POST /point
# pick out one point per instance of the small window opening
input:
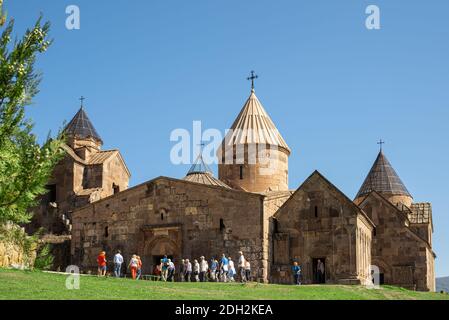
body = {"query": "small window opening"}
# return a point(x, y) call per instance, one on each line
point(316, 212)
point(241, 172)
point(116, 188)
point(162, 216)
point(275, 226)
point(222, 225)
point(106, 232)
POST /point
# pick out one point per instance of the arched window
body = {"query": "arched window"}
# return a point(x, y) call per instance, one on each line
point(222, 225)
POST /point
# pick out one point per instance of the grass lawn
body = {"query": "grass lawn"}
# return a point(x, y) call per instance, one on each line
point(34, 285)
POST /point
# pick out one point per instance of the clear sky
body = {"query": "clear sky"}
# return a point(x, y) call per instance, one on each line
point(333, 87)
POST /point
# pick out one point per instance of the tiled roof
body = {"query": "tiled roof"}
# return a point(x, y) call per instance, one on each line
point(81, 127)
point(205, 178)
point(421, 213)
point(254, 126)
point(101, 156)
point(383, 179)
point(201, 173)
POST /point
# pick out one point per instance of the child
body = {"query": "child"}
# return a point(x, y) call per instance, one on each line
point(101, 260)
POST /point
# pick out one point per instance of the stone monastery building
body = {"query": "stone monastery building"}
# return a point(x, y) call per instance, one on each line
point(246, 208)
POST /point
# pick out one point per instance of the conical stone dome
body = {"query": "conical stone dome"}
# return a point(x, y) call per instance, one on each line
point(80, 127)
point(383, 178)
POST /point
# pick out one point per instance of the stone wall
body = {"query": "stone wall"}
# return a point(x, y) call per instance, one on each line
point(319, 222)
point(174, 217)
point(404, 258)
point(254, 173)
point(10, 254)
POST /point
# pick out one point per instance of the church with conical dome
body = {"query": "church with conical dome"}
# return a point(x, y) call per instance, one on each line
point(382, 235)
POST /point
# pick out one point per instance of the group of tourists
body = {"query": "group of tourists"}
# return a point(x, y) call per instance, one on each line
point(134, 266)
point(223, 270)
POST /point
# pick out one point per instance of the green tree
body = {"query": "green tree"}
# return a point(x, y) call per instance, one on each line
point(25, 165)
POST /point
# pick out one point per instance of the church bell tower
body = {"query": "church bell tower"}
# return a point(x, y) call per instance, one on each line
point(253, 156)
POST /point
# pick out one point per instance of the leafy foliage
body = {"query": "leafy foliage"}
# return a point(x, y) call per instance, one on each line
point(44, 259)
point(25, 165)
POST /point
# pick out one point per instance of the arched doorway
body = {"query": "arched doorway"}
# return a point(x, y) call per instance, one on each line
point(156, 249)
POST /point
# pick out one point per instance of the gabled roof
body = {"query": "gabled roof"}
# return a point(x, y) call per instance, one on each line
point(254, 126)
point(81, 127)
point(383, 179)
point(316, 173)
point(96, 158)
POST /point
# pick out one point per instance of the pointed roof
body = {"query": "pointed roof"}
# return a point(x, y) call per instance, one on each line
point(201, 173)
point(81, 127)
point(254, 126)
point(383, 179)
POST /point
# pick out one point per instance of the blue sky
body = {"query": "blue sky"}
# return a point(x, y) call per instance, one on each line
point(332, 87)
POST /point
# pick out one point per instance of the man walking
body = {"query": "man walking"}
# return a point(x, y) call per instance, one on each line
point(182, 269)
point(213, 269)
point(188, 270)
point(118, 261)
point(224, 268)
point(241, 267)
point(296, 270)
point(164, 265)
point(171, 271)
point(320, 271)
point(203, 269)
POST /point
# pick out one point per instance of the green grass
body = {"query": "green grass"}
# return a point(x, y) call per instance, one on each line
point(34, 285)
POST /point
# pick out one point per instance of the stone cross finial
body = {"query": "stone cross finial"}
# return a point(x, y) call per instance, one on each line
point(253, 77)
point(380, 143)
point(82, 101)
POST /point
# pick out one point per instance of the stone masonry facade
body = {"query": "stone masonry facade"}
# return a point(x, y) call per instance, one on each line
point(246, 208)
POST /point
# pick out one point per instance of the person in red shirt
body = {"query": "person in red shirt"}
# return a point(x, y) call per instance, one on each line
point(101, 260)
point(133, 264)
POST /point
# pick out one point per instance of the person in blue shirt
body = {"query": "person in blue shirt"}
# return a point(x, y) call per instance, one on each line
point(224, 268)
point(164, 267)
point(296, 270)
point(213, 269)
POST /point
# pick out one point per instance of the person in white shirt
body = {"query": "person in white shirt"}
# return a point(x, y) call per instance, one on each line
point(247, 271)
point(231, 272)
point(188, 270)
point(204, 266)
point(196, 270)
point(118, 261)
point(241, 267)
